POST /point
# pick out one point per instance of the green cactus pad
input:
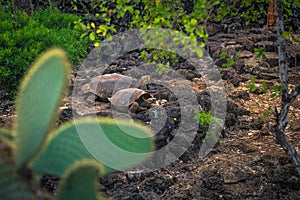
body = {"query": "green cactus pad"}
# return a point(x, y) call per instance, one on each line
point(11, 186)
point(79, 181)
point(62, 149)
point(37, 105)
point(111, 143)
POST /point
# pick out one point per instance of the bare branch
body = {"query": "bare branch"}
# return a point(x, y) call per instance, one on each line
point(282, 117)
point(295, 93)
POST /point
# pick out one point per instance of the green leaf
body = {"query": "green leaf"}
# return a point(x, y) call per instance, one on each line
point(225, 65)
point(11, 186)
point(79, 181)
point(103, 29)
point(277, 88)
point(37, 104)
point(199, 52)
point(92, 36)
point(266, 114)
point(251, 87)
point(84, 34)
point(297, 3)
point(273, 95)
point(264, 87)
point(285, 34)
point(253, 79)
point(223, 54)
point(113, 29)
point(116, 144)
point(264, 84)
point(295, 39)
point(193, 22)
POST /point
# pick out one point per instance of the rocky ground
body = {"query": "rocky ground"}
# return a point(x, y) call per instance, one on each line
point(247, 164)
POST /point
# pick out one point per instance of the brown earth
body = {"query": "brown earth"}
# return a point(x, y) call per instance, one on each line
point(247, 164)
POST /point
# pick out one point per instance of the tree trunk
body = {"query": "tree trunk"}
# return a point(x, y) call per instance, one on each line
point(23, 5)
point(287, 98)
point(271, 16)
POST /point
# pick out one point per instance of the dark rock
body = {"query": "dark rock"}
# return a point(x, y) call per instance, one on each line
point(239, 66)
point(212, 29)
point(267, 45)
point(272, 59)
point(204, 100)
point(235, 109)
point(234, 26)
point(246, 122)
point(240, 94)
point(231, 76)
point(230, 121)
point(246, 42)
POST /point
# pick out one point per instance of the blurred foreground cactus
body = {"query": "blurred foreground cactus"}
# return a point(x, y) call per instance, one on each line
point(33, 148)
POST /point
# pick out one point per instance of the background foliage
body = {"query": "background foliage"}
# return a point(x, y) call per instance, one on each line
point(24, 38)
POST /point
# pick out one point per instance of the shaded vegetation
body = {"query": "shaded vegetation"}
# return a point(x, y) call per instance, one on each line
point(23, 39)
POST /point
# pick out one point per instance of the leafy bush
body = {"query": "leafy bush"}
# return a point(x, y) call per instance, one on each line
point(23, 38)
point(250, 10)
point(125, 14)
point(110, 16)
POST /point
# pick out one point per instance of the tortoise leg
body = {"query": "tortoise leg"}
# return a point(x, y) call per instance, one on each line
point(135, 107)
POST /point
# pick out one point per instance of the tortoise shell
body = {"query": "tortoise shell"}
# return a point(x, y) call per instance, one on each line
point(124, 98)
point(104, 85)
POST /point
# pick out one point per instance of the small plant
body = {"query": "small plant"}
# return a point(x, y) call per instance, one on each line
point(291, 36)
point(253, 88)
point(276, 90)
point(163, 69)
point(34, 145)
point(266, 114)
point(204, 118)
point(229, 59)
point(261, 53)
point(264, 87)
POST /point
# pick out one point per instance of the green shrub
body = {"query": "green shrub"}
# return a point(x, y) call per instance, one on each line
point(110, 16)
point(205, 120)
point(250, 10)
point(203, 117)
point(23, 38)
point(126, 14)
point(51, 17)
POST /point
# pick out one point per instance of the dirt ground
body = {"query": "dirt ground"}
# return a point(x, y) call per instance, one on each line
point(246, 164)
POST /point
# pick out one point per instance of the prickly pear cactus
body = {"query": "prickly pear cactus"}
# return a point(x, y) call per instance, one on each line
point(33, 144)
point(72, 186)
